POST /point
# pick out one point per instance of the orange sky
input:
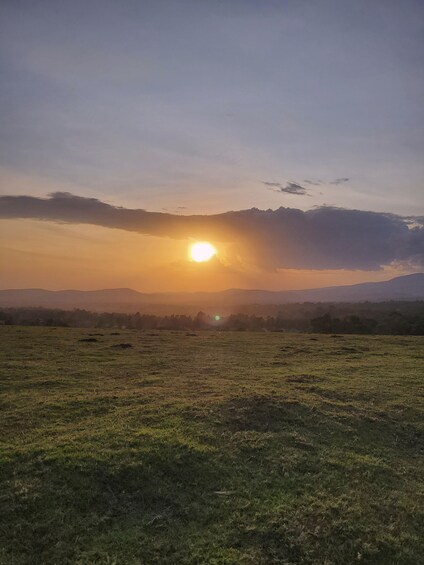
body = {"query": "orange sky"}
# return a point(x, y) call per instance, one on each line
point(58, 256)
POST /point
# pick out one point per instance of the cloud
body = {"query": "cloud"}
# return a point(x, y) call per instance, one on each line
point(319, 182)
point(294, 187)
point(339, 181)
point(313, 182)
point(320, 238)
point(289, 187)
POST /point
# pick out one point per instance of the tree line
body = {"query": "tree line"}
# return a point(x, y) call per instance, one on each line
point(401, 319)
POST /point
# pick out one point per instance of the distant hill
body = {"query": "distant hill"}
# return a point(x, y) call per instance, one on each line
point(409, 287)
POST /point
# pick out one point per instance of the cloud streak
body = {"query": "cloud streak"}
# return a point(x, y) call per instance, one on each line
point(339, 181)
point(319, 182)
point(290, 187)
point(295, 187)
point(320, 238)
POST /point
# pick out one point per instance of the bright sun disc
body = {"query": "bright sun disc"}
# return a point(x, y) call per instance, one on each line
point(202, 251)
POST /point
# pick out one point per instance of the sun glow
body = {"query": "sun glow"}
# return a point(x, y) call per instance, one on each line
point(202, 251)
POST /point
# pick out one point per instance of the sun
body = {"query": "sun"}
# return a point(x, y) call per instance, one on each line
point(202, 251)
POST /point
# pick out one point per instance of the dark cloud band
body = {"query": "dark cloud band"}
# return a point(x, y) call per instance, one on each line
point(321, 238)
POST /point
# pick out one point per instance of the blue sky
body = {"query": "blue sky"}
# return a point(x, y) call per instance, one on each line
point(192, 106)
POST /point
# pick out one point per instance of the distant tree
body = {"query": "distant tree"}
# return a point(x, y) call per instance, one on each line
point(201, 320)
point(322, 324)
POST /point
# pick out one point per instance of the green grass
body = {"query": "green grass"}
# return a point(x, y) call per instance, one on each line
point(215, 448)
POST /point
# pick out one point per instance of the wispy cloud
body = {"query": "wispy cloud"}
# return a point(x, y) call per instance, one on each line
point(319, 182)
point(289, 187)
point(339, 181)
point(313, 182)
point(295, 187)
point(320, 238)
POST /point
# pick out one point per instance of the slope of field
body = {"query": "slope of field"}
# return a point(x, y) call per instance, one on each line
point(210, 448)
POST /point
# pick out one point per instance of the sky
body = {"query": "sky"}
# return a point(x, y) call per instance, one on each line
point(289, 134)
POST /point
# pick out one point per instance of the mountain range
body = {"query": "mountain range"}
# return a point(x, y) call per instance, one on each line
point(408, 287)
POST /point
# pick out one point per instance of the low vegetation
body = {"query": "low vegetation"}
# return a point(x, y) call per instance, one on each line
point(385, 318)
point(203, 447)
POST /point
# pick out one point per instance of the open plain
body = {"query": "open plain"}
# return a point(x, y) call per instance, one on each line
point(157, 447)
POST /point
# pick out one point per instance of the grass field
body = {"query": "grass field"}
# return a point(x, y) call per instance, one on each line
point(214, 448)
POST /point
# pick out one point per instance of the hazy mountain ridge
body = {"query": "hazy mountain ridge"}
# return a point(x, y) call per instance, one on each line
point(408, 287)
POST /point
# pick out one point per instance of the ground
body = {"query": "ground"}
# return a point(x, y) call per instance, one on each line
point(128, 447)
